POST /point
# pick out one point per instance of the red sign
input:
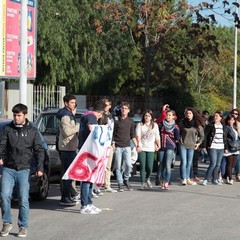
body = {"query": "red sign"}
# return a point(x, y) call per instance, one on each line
point(10, 13)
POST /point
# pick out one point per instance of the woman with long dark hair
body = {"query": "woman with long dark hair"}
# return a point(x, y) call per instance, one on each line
point(148, 139)
point(214, 141)
point(231, 134)
point(191, 136)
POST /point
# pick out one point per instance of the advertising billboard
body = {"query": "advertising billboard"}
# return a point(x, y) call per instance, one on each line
point(10, 31)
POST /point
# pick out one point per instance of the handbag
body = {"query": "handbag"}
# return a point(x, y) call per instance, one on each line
point(234, 145)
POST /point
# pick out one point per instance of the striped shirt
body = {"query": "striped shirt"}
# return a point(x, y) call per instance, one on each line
point(217, 142)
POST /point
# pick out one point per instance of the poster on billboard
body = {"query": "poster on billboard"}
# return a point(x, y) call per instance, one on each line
point(10, 30)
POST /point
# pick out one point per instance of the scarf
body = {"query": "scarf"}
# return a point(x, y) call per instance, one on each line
point(169, 126)
point(188, 123)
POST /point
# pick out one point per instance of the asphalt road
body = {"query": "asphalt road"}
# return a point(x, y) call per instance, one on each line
point(183, 212)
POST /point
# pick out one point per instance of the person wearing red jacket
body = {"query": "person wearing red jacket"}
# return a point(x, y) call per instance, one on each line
point(163, 115)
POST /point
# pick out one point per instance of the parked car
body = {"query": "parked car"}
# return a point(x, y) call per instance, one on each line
point(48, 125)
point(39, 186)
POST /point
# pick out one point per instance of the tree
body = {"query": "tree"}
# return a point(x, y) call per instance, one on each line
point(67, 46)
point(146, 21)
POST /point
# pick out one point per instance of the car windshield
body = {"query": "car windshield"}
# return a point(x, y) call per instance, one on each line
point(48, 124)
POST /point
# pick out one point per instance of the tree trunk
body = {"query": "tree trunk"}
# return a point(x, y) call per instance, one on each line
point(147, 75)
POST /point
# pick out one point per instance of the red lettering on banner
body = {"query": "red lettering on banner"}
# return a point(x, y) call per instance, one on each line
point(82, 171)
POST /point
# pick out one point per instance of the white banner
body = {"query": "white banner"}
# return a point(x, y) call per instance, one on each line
point(90, 163)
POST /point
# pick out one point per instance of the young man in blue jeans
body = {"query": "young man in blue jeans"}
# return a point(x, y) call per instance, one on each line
point(124, 131)
point(19, 140)
point(87, 120)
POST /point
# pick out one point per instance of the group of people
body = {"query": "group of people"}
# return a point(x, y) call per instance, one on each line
point(216, 138)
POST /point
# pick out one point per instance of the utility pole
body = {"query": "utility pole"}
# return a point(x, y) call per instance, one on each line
point(23, 54)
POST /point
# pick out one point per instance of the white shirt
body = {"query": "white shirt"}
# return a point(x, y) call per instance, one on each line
point(147, 136)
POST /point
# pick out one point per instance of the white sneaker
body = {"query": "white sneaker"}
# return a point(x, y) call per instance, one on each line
point(216, 182)
point(110, 190)
point(220, 179)
point(149, 184)
point(94, 208)
point(77, 198)
point(230, 182)
point(184, 182)
point(88, 210)
point(94, 195)
point(190, 182)
point(204, 182)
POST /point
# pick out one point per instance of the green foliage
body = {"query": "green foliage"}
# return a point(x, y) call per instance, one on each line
point(186, 63)
point(211, 102)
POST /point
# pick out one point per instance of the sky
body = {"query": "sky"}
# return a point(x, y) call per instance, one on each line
point(218, 11)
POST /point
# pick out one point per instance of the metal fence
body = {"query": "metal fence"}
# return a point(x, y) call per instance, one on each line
point(46, 97)
point(51, 97)
point(135, 102)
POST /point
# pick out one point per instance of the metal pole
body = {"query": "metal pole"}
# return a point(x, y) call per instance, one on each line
point(23, 54)
point(2, 98)
point(235, 64)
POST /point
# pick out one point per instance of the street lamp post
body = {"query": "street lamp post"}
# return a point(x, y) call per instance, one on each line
point(235, 64)
point(23, 54)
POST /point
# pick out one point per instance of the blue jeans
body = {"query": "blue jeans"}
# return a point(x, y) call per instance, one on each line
point(215, 157)
point(67, 158)
point(123, 160)
point(166, 158)
point(237, 167)
point(159, 167)
point(223, 166)
point(204, 155)
point(20, 178)
point(86, 193)
point(186, 157)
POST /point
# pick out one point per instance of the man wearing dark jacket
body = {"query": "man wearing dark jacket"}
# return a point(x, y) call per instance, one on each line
point(68, 144)
point(19, 142)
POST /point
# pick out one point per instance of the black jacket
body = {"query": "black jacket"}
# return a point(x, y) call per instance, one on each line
point(19, 144)
point(209, 132)
point(230, 135)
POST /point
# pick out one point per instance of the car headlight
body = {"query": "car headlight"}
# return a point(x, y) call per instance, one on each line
point(52, 147)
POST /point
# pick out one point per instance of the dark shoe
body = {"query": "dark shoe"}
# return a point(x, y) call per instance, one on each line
point(67, 202)
point(22, 232)
point(120, 187)
point(127, 184)
point(237, 178)
point(158, 181)
point(6, 229)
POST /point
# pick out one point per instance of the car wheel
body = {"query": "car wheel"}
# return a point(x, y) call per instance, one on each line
point(43, 187)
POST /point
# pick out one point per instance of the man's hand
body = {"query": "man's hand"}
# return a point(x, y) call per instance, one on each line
point(91, 127)
point(39, 173)
point(74, 111)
